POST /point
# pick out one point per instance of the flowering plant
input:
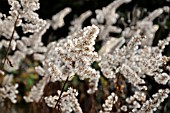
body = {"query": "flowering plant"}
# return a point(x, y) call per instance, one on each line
point(125, 73)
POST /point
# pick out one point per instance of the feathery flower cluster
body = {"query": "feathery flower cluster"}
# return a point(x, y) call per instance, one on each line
point(130, 57)
point(68, 102)
point(37, 91)
point(22, 14)
point(58, 19)
point(8, 90)
point(109, 102)
point(76, 24)
point(73, 55)
point(70, 56)
point(151, 105)
point(25, 9)
point(144, 27)
point(134, 63)
point(108, 16)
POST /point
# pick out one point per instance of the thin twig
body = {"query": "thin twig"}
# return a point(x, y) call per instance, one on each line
point(57, 105)
point(9, 46)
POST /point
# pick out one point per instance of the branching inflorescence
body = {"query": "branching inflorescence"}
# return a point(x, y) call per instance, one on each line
point(130, 59)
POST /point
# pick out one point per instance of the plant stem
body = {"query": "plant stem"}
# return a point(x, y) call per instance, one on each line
point(9, 46)
point(57, 104)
